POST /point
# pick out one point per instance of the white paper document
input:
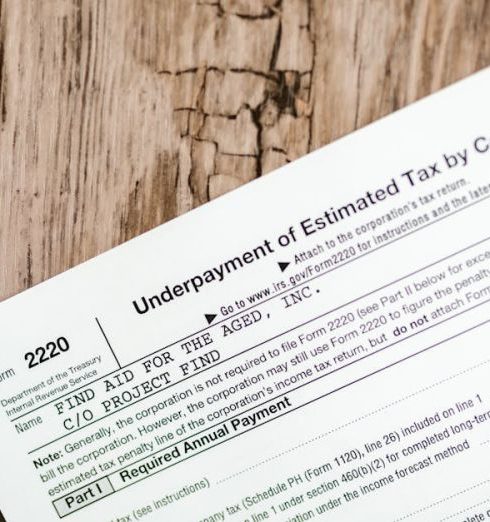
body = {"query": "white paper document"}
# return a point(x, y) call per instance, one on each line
point(312, 346)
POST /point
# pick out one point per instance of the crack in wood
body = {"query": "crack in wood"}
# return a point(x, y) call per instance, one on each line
point(285, 92)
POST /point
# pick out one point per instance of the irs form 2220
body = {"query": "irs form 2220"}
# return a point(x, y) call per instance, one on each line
point(312, 346)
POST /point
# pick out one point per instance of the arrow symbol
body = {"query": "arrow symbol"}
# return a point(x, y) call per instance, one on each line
point(283, 265)
point(210, 317)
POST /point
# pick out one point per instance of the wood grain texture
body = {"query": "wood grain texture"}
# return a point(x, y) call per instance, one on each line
point(118, 115)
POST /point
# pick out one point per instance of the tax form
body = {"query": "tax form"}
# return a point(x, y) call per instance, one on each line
point(312, 346)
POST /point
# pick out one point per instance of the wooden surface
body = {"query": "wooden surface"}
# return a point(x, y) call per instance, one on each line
point(118, 115)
